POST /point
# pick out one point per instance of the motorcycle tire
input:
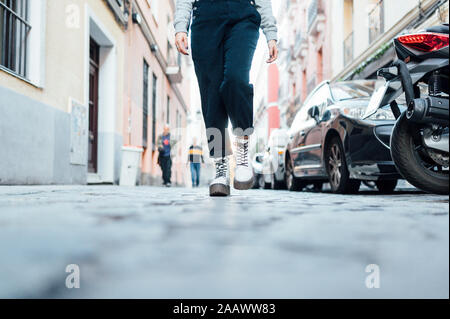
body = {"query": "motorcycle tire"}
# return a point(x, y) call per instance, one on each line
point(410, 165)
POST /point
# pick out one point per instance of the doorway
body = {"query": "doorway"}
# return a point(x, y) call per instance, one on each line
point(94, 59)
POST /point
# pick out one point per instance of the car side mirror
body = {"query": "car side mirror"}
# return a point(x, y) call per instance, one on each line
point(314, 113)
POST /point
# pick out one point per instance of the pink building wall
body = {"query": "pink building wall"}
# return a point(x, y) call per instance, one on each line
point(137, 50)
point(272, 98)
point(316, 66)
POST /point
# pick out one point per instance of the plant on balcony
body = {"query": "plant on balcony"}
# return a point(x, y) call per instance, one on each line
point(376, 56)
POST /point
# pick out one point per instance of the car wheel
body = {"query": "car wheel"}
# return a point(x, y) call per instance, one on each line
point(293, 183)
point(337, 169)
point(261, 181)
point(386, 187)
point(256, 181)
point(277, 184)
point(318, 186)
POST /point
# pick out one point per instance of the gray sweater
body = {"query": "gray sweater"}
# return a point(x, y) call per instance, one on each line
point(264, 7)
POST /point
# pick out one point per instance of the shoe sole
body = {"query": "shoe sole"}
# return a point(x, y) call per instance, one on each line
point(243, 186)
point(219, 190)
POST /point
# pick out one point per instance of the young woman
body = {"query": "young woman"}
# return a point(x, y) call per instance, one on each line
point(224, 35)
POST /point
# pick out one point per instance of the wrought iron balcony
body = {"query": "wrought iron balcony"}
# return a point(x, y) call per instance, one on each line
point(348, 49)
point(376, 21)
point(300, 44)
point(315, 17)
point(298, 101)
point(120, 8)
point(173, 70)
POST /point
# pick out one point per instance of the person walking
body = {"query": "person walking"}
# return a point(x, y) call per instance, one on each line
point(224, 35)
point(165, 144)
point(195, 158)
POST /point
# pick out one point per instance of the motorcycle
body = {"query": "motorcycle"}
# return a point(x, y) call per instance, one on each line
point(419, 142)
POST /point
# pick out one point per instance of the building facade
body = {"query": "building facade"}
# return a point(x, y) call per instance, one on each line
point(336, 40)
point(157, 87)
point(61, 62)
point(304, 29)
point(72, 76)
point(364, 29)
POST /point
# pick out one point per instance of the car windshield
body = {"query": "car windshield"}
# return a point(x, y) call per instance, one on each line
point(352, 90)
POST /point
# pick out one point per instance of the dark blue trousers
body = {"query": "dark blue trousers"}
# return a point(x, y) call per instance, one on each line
point(224, 38)
point(195, 174)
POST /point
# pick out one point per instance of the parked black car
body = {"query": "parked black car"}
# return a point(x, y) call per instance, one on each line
point(329, 141)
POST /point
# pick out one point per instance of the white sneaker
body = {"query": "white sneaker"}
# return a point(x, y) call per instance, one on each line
point(220, 186)
point(243, 175)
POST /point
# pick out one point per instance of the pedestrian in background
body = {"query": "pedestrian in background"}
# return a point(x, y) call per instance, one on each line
point(195, 158)
point(224, 38)
point(165, 144)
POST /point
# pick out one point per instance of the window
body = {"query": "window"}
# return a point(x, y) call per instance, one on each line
point(376, 20)
point(179, 60)
point(120, 8)
point(179, 124)
point(304, 85)
point(318, 98)
point(348, 31)
point(320, 66)
point(348, 90)
point(145, 105)
point(154, 7)
point(154, 96)
point(14, 32)
point(168, 111)
point(348, 49)
point(299, 119)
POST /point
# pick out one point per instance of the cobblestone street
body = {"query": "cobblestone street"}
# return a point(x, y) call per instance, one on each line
point(178, 243)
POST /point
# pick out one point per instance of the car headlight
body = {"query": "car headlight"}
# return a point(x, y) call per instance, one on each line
point(383, 114)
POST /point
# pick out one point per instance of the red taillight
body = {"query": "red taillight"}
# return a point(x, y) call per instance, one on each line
point(427, 42)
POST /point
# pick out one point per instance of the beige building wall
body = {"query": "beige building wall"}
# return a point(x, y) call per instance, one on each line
point(58, 74)
point(66, 52)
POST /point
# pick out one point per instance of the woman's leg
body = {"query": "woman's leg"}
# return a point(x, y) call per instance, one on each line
point(209, 27)
point(237, 93)
point(208, 32)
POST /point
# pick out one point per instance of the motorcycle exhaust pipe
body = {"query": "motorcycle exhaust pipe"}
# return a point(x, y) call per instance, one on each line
point(430, 110)
point(405, 79)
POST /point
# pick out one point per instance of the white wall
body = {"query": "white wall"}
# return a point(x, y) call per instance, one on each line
point(36, 42)
point(394, 10)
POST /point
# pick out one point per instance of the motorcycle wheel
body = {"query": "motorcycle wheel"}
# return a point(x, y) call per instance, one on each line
point(412, 163)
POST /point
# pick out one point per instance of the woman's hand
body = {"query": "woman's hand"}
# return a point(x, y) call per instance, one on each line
point(273, 51)
point(181, 41)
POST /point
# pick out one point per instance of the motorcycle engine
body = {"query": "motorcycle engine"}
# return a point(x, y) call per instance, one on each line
point(436, 142)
